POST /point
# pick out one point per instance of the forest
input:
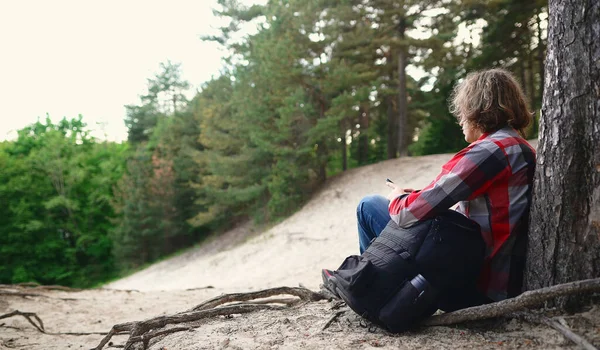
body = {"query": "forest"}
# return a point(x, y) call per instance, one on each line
point(318, 88)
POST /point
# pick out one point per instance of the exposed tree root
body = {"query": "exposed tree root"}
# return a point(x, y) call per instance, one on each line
point(523, 301)
point(144, 331)
point(303, 293)
point(238, 303)
point(30, 316)
point(36, 321)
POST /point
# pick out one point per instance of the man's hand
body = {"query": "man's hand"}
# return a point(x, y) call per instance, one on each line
point(396, 191)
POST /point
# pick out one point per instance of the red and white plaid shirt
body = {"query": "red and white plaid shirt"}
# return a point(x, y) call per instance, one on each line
point(491, 179)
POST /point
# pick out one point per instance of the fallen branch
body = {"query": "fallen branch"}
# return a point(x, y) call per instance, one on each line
point(523, 301)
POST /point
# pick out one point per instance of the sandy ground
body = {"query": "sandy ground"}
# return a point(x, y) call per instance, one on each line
point(291, 253)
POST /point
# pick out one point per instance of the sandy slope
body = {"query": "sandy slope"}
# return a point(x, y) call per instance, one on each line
point(319, 235)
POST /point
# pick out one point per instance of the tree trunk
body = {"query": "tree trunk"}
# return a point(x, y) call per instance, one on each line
point(392, 139)
point(540, 51)
point(522, 71)
point(363, 140)
point(531, 80)
point(533, 129)
point(402, 96)
point(322, 151)
point(344, 148)
point(564, 238)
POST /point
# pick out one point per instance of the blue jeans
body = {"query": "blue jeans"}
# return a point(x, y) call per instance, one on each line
point(372, 215)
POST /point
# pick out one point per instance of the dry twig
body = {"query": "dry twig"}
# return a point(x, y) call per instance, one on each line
point(333, 319)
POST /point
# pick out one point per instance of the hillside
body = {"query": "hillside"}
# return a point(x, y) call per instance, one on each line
point(292, 252)
point(319, 235)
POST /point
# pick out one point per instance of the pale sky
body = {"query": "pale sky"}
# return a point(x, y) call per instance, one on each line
point(71, 57)
point(68, 57)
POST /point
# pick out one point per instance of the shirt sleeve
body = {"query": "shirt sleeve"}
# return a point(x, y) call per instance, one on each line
point(466, 176)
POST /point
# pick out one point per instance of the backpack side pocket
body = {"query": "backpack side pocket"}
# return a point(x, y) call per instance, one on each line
point(407, 308)
point(355, 275)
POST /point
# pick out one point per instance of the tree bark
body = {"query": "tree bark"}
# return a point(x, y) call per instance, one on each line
point(540, 50)
point(522, 71)
point(531, 81)
point(363, 139)
point(402, 95)
point(392, 139)
point(533, 129)
point(344, 148)
point(564, 242)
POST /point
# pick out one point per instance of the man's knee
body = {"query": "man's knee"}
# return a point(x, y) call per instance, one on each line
point(368, 204)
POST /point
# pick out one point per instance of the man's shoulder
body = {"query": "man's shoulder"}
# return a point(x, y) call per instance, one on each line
point(507, 138)
point(482, 148)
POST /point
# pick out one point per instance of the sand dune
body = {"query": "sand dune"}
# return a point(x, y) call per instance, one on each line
point(293, 252)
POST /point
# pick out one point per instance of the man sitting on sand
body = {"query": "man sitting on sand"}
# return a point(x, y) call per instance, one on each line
point(491, 180)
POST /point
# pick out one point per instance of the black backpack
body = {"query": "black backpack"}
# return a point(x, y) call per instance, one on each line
point(406, 274)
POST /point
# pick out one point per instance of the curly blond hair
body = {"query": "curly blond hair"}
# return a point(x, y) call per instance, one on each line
point(490, 100)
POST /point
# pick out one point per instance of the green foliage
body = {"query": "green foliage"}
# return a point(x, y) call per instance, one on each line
point(145, 202)
point(56, 187)
point(155, 198)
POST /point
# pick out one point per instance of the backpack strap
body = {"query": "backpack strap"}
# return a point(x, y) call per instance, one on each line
point(380, 251)
point(396, 243)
